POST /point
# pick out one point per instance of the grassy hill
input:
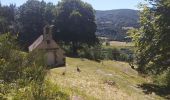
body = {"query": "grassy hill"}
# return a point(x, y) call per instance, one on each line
point(111, 23)
point(108, 80)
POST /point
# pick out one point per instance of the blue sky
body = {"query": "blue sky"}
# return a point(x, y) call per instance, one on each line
point(97, 4)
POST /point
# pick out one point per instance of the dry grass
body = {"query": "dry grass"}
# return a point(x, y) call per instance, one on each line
point(122, 44)
point(108, 81)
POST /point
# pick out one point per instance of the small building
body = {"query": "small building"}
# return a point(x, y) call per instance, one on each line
point(54, 55)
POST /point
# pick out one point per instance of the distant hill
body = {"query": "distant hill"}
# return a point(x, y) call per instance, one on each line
point(114, 23)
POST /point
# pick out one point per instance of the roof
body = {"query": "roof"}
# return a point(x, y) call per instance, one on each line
point(36, 43)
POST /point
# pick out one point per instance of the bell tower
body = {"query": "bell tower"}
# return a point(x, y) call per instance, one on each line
point(48, 32)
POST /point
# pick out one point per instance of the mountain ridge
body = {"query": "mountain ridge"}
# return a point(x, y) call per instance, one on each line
point(111, 23)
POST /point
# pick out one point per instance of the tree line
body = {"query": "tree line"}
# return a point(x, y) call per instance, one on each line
point(74, 22)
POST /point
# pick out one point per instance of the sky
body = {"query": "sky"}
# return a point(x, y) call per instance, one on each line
point(97, 4)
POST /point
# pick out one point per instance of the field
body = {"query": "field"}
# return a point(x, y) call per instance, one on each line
point(108, 80)
point(122, 44)
point(119, 45)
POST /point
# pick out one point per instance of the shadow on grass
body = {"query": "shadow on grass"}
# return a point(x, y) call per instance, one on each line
point(162, 91)
point(62, 96)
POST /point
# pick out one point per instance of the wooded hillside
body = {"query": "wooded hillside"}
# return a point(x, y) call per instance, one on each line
point(114, 23)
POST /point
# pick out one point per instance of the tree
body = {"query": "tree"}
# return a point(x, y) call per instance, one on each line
point(75, 23)
point(33, 16)
point(153, 38)
point(7, 18)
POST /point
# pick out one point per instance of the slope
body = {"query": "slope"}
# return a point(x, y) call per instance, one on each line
point(108, 80)
point(114, 23)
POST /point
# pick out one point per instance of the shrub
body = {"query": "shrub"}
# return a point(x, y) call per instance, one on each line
point(116, 54)
point(34, 66)
point(107, 43)
point(33, 91)
point(41, 91)
point(15, 64)
point(93, 53)
point(163, 79)
point(113, 54)
point(10, 58)
point(168, 79)
point(98, 53)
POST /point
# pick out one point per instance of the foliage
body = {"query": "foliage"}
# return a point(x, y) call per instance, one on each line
point(168, 78)
point(22, 75)
point(32, 17)
point(113, 24)
point(16, 65)
point(7, 18)
point(93, 53)
point(29, 19)
point(99, 53)
point(162, 79)
point(70, 15)
point(152, 39)
point(10, 58)
point(44, 91)
point(32, 91)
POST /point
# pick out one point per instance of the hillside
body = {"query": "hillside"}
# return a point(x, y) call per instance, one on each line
point(109, 80)
point(113, 23)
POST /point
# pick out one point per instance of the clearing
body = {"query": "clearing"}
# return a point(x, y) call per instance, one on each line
point(122, 44)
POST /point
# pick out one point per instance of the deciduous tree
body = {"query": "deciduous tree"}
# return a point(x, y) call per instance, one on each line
point(153, 37)
point(75, 23)
point(33, 16)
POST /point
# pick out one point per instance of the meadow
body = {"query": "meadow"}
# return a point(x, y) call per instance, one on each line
point(108, 80)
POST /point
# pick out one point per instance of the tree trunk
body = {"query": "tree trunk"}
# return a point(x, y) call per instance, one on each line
point(74, 48)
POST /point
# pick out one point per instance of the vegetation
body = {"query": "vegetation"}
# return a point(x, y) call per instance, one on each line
point(101, 76)
point(22, 75)
point(7, 18)
point(109, 80)
point(70, 15)
point(153, 41)
point(113, 24)
point(31, 18)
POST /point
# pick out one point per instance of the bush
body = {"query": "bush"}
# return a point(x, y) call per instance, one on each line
point(18, 66)
point(93, 53)
point(15, 64)
point(107, 43)
point(116, 54)
point(10, 58)
point(33, 91)
point(112, 54)
point(98, 53)
point(166, 78)
point(163, 79)
point(34, 66)
point(41, 91)
point(22, 74)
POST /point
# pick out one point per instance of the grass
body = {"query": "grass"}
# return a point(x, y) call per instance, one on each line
point(122, 44)
point(119, 45)
point(109, 80)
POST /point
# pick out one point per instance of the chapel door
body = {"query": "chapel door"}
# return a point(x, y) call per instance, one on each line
point(50, 58)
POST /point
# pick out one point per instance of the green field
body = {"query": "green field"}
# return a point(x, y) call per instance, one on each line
point(108, 80)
